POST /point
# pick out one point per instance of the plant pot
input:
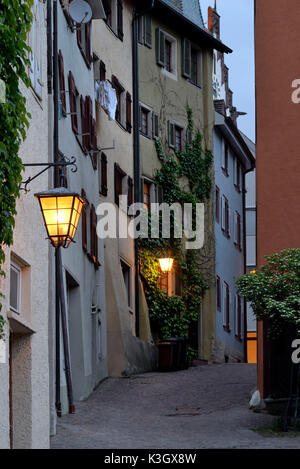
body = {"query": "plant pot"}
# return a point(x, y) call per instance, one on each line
point(166, 354)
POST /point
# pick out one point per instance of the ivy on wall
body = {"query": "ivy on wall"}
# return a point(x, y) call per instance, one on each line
point(15, 22)
point(171, 316)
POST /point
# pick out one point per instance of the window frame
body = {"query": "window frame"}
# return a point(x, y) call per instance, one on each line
point(18, 270)
point(126, 268)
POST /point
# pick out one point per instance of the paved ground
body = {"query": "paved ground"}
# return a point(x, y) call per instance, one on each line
point(202, 407)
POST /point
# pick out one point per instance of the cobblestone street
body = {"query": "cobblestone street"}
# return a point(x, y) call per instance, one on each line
point(202, 407)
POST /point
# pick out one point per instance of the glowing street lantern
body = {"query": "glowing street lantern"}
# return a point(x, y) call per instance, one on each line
point(166, 264)
point(61, 211)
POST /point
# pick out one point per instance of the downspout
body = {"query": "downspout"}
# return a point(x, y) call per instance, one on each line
point(136, 147)
point(55, 153)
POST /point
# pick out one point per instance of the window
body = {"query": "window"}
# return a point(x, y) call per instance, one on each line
point(122, 107)
point(237, 230)
point(238, 316)
point(35, 44)
point(225, 217)
point(177, 138)
point(217, 205)
point(166, 52)
point(145, 30)
point(218, 291)
point(196, 67)
point(191, 62)
point(73, 95)
point(149, 122)
point(103, 175)
point(225, 157)
point(126, 271)
point(15, 288)
point(150, 192)
point(114, 16)
point(145, 118)
point(226, 314)
point(119, 177)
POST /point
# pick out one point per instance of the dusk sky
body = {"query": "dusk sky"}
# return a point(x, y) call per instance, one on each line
point(237, 32)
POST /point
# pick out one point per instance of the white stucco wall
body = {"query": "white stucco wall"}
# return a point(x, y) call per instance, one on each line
point(30, 352)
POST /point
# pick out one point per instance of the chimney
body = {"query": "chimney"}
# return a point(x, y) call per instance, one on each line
point(214, 21)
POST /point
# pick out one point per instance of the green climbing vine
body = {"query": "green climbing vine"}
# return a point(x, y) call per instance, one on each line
point(172, 315)
point(15, 21)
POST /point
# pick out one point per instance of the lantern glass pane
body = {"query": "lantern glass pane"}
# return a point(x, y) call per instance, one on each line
point(48, 203)
point(65, 202)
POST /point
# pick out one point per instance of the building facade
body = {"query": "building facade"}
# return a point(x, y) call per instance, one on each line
point(175, 70)
point(128, 350)
point(24, 366)
point(277, 89)
point(232, 160)
point(83, 262)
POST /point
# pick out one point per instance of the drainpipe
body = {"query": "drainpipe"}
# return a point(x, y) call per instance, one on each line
point(136, 147)
point(57, 254)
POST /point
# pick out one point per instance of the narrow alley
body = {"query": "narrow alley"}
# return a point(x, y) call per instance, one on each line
point(202, 407)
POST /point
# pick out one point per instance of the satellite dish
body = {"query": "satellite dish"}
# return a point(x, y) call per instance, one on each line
point(80, 12)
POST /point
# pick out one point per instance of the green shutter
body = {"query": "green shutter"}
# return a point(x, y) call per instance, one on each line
point(148, 31)
point(186, 58)
point(160, 47)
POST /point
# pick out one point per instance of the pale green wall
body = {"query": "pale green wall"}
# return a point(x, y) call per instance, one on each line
point(168, 98)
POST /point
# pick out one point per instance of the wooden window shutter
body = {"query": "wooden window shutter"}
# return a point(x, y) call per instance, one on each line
point(155, 125)
point(171, 134)
point(130, 191)
point(73, 105)
point(79, 36)
point(160, 47)
point(84, 222)
point(94, 238)
point(88, 43)
point(62, 85)
point(89, 122)
point(102, 71)
point(128, 112)
point(120, 19)
point(94, 145)
point(119, 175)
point(83, 123)
point(186, 58)
point(148, 31)
point(104, 175)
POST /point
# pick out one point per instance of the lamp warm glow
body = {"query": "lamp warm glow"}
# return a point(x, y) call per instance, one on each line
point(61, 211)
point(166, 264)
point(252, 271)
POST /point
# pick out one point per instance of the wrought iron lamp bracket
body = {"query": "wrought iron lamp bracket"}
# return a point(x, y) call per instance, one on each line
point(66, 161)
